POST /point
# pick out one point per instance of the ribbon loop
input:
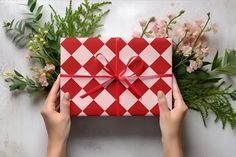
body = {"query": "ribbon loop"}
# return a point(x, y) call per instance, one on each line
point(114, 75)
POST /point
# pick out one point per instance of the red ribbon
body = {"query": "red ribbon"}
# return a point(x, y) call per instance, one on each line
point(115, 75)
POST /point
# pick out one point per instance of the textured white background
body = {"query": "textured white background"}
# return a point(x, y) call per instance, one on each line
point(22, 131)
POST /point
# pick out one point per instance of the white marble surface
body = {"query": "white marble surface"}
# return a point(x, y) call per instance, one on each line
point(22, 131)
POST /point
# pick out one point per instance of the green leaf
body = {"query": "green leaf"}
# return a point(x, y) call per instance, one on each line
point(216, 62)
point(29, 2)
point(233, 95)
point(38, 17)
point(35, 92)
point(18, 74)
point(39, 9)
point(17, 85)
point(30, 81)
point(212, 80)
point(204, 63)
point(230, 57)
point(32, 5)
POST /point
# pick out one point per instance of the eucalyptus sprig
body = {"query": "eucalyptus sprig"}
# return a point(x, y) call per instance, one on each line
point(20, 31)
point(20, 82)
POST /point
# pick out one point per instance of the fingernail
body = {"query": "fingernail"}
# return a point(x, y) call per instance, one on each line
point(67, 96)
point(160, 93)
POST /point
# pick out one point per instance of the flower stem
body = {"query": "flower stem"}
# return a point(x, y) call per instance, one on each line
point(176, 48)
point(145, 28)
point(202, 30)
point(174, 18)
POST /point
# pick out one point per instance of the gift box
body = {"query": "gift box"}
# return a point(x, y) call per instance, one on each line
point(116, 76)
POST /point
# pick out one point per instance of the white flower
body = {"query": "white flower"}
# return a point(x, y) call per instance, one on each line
point(42, 79)
point(49, 67)
point(189, 69)
point(186, 50)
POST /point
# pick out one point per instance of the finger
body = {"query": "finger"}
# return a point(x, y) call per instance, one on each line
point(52, 96)
point(176, 92)
point(65, 104)
point(163, 105)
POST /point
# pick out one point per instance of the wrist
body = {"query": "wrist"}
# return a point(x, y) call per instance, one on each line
point(56, 148)
point(170, 137)
point(172, 146)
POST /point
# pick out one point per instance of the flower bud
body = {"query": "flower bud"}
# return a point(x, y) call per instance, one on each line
point(30, 48)
point(152, 19)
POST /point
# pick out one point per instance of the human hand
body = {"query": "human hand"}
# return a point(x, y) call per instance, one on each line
point(56, 115)
point(171, 121)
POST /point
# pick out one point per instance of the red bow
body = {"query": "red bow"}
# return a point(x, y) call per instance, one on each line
point(114, 75)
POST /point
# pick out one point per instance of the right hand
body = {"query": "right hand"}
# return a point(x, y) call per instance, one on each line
point(171, 121)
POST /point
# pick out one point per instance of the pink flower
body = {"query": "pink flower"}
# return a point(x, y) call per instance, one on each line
point(205, 51)
point(199, 22)
point(154, 28)
point(42, 79)
point(186, 50)
point(143, 23)
point(189, 69)
point(170, 16)
point(194, 65)
point(148, 35)
point(179, 33)
point(136, 34)
point(214, 28)
point(49, 67)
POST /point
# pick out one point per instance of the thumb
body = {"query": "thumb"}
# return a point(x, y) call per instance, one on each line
point(65, 104)
point(162, 103)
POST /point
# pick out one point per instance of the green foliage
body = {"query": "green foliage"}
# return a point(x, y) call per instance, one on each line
point(18, 31)
point(202, 98)
point(43, 41)
point(201, 89)
point(82, 22)
point(19, 82)
point(225, 66)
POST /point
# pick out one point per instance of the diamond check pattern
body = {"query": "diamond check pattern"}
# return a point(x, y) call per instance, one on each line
point(71, 44)
point(115, 98)
point(160, 65)
point(71, 66)
point(160, 44)
point(93, 66)
point(67, 88)
point(93, 44)
point(138, 44)
point(138, 66)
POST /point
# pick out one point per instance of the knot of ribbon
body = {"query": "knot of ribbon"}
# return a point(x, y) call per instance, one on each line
point(115, 75)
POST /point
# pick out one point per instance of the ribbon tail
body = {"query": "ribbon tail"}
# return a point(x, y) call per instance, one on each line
point(94, 89)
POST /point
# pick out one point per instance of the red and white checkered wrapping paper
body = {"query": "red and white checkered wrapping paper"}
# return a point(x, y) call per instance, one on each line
point(78, 58)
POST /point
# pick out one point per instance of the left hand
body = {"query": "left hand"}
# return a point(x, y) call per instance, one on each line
point(57, 123)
